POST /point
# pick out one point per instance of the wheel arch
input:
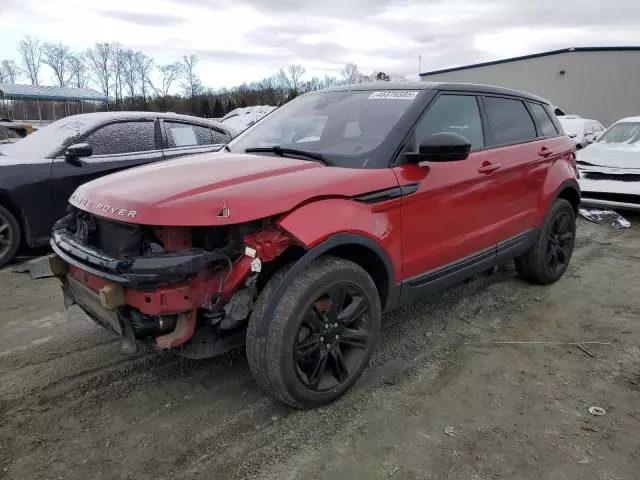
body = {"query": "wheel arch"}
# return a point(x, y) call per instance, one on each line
point(7, 202)
point(570, 191)
point(357, 248)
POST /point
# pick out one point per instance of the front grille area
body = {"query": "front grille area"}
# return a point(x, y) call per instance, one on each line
point(118, 240)
point(625, 177)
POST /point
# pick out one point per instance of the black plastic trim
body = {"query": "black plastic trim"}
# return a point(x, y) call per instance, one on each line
point(387, 194)
point(460, 270)
point(379, 196)
point(136, 272)
point(315, 252)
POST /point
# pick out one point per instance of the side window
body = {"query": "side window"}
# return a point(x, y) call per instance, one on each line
point(547, 128)
point(452, 113)
point(190, 135)
point(123, 137)
point(509, 120)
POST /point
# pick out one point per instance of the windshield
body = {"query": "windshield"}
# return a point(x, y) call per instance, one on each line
point(45, 141)
point(625, 132)
point(343, 127)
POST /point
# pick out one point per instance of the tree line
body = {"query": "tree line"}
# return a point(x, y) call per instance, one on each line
point(132, 80)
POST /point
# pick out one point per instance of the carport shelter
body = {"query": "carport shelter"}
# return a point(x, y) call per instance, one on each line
point(39, 93)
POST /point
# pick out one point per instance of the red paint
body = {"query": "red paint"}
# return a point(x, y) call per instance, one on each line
point(193, 191)
point(317, 221)
point(458, 210)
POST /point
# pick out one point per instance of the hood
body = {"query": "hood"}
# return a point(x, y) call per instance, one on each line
point(220, 189)
point(612, 155)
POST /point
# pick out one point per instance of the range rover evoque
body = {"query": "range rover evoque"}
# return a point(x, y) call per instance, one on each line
point(340, 205)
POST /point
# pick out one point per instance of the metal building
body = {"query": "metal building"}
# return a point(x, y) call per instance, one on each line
point(602, 83)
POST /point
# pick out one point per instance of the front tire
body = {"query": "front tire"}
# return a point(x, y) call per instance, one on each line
point(549, 258)
point(321, 336)
point(9, 236)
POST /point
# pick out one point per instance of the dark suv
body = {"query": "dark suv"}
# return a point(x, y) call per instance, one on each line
point(338, 206)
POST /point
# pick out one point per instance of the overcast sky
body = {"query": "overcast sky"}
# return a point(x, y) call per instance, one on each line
point(244, 40)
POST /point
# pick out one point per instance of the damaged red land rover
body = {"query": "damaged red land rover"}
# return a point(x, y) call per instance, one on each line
point(338, 206)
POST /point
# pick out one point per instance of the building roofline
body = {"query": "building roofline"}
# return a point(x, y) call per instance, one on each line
point(533, 55)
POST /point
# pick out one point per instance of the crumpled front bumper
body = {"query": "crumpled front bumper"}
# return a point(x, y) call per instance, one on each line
point(139, 272)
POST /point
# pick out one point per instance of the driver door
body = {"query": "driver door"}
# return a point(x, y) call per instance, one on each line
point(449, 222)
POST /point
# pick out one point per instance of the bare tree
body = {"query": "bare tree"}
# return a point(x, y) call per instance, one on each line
point(30, 53)
point(78, 71)
point(130, 71)
point(190, 82)
point(99, 61)
point(144, 67)
point(9, 71)
point(117, 68)
point(57, 57)
point(169, 73)
point(381, 77)
point(292, 77)
point(351, 74)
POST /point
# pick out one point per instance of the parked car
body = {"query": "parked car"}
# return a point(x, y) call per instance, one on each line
point(8, 135)
point(40, 171)
point(21, 128)
point(243, 118)
point(583, 131)
point(610, 168)
point(297, 242)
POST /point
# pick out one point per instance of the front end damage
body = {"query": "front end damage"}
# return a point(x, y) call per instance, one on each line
point(185, 288)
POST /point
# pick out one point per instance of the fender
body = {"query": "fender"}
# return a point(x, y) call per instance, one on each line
point(349, 222)
point(561, 175)
point(314, 222)
point(315, 252)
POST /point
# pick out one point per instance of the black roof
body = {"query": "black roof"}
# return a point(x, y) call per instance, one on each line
point(534, 55)
point(443, 86)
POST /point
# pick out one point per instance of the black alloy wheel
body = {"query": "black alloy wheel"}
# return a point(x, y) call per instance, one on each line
point(321, 335)
point(560, 243)
point(549, 257)
point(332, 338)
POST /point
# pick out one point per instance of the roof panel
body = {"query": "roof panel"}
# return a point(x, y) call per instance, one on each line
point(41, 92)
point(534, 55)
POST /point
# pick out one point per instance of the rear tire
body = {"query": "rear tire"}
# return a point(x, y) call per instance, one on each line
point(321, 336)
point(10, 236)
point(549, 258)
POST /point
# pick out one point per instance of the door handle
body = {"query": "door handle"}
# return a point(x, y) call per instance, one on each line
point(489, 167)
point(545, 152)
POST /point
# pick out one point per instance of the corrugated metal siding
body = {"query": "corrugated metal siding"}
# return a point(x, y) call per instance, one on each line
point(41, 92)
point(602, 85)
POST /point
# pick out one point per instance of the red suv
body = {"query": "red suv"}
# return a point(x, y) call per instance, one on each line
point(338, 206)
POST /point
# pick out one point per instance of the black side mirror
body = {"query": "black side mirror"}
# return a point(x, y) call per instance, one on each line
point(442, 147)
point(76, 151)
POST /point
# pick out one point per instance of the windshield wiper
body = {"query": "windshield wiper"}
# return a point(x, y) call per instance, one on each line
point(278, 150)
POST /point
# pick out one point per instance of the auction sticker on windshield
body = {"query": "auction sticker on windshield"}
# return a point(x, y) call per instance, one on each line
point(393, 95)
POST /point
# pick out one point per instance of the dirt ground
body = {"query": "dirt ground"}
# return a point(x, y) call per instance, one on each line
point(492, 379)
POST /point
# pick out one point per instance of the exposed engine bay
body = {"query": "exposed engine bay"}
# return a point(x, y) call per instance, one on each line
point(187, 288)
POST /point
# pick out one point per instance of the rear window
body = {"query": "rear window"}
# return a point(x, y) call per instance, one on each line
point(509, 120)
point(547, 128)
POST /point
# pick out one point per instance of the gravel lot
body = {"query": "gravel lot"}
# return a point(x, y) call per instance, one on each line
point(447, 395)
